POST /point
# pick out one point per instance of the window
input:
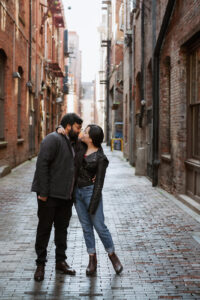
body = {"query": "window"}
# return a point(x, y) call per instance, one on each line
point(166, 107)
point(138, 92)
point(2, 92)
point(19, 102)
point(121, 17)
point(137, 4)
point(194, 102)
point(133, 4)
point(22, 11)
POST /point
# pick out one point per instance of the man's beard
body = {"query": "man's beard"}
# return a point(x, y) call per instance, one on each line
point(73, 135)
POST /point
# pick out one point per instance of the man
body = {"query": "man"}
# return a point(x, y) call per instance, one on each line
point(53, 182)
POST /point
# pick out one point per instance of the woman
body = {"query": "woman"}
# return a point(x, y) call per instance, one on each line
point(91, 168)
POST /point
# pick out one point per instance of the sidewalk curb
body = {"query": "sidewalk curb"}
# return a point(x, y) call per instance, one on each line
point(19, 167)
point(23, 164)
point(184, 207)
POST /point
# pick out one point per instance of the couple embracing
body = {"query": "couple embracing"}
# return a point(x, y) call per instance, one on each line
point(71, 171)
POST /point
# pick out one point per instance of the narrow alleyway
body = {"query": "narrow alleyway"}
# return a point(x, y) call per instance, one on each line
point(154, 238)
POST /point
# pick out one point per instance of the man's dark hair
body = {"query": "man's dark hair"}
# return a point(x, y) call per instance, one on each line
point(96, 134)
point(70, 119)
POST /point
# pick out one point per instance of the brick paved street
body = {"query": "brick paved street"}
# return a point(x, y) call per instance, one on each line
point(154, 238)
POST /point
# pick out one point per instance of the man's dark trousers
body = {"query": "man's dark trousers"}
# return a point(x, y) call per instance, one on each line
point(57, 212)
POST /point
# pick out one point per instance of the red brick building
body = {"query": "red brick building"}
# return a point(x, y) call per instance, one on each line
point(31, 75)
point(166, 77)
point(111, 67)
point(116, 70)
point(161, 93)
point(179, 122)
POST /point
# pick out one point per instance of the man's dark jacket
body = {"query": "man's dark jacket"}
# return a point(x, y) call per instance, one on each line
point(54, 175)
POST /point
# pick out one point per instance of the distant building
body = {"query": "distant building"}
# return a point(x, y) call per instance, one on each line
point(111, 68)
point(74, 75)
point(87, 103)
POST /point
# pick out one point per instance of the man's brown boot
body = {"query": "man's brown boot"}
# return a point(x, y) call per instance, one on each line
point(92, 266)
point(65, 268)
point(116, 263)
point(39, 273)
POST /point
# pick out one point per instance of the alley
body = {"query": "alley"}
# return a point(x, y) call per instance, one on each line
point(154, 238)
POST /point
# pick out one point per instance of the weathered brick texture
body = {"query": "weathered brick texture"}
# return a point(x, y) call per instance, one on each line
point(39, 111)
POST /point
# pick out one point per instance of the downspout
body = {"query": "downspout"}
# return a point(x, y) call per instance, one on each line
point(133, 91)
point(156, 99)
point(142, 67)
point(107, 93)
point(29, 83)
point(108, 81)
point(153, 25)
point(30, 40)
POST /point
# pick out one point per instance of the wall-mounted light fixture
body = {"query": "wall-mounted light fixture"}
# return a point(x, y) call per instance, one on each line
point(59, 100)
point(29, 84)
point(143, 103)
point(43, 86)
point(16, 75)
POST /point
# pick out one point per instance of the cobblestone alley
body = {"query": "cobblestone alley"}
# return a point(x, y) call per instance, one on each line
point(155, 238)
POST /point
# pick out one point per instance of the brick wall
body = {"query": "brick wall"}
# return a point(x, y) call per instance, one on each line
point(14, 42)
point(173, 110)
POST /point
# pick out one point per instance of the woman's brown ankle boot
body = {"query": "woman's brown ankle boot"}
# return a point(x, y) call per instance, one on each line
point(92, 266)
point(116, 263)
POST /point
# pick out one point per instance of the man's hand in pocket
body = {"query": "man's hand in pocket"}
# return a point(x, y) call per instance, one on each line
point(42, 198)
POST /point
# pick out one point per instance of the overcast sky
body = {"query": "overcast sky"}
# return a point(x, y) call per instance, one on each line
point(84, 18)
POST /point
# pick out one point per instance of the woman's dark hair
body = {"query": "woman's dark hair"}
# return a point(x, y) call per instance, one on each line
point(96, 134)
point(70, 119)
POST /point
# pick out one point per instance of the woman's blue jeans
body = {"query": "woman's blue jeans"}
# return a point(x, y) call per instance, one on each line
point(89, 222)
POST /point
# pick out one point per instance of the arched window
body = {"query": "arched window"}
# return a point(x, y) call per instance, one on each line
point(2, 92)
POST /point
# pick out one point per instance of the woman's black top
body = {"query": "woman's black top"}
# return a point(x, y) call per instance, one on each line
point(88, 167)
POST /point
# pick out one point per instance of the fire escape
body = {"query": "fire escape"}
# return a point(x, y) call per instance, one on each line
point(55, 10)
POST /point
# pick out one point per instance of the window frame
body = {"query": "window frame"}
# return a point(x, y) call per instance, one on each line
point(2, 95)
point(192, 106)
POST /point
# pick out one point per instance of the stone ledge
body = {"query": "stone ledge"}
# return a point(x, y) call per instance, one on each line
point(193, 163)
point(166, 157)
point(3, 144)
point(20, 141)
point(180, 203)
point(4, 170)
point(192, 204)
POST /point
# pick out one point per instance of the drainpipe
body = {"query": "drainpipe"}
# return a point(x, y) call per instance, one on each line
point(29, 83)
point(108, 80)
point(30, 40)
point(156, 99)
point(107, 95)
point(153, 25)
point(142, 68)
point(133, 97)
